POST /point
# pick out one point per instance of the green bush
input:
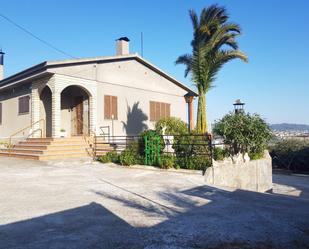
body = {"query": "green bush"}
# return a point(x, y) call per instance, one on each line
point(219, 154)
point(291, 154)
point(128, 157)
point(111, 156)
point(192, 152)
point(256, 155)
point(167, 161)
point(174, 126)
point(244, 132)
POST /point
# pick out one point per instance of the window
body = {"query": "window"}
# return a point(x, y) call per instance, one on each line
point(23, 105)
point(159, 110)
point(110, 107)
point(0, 113)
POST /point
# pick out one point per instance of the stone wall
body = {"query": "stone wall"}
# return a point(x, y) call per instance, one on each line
point(254, 175)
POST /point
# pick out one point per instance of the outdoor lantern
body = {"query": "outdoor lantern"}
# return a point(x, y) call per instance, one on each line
point(238, 106)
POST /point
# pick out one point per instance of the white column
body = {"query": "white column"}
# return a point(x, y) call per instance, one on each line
point(93, 112)
point(35, 112)
point(56, 113)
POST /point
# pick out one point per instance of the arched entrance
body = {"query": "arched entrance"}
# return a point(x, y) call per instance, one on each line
point(75, 111)
point(46, 110)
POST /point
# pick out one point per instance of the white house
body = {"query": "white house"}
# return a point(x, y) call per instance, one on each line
point(123, 93)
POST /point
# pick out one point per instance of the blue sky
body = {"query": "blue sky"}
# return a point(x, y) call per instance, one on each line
point(275, 37)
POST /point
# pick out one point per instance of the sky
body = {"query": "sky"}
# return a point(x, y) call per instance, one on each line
point(275, 33)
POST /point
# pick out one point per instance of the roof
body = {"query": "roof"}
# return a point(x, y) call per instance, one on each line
point(41, 69)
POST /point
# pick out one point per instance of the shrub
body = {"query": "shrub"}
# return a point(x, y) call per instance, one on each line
point(111, 156)
point(167, 161)
point(174, 126)
point(256, 155)
point(244, 132)
point(219, 154)
point(291, 154)
point(128, 157)
point(192, 152)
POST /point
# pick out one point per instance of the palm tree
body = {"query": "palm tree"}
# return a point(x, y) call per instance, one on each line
point(213, 45)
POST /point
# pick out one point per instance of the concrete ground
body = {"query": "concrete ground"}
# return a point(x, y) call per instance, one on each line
point(83, 205)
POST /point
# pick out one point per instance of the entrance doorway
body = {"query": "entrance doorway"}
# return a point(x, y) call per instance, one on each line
point(79, 113)
point(75, 111)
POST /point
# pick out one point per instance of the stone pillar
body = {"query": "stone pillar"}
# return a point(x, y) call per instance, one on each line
point(56, 113)
point(35, 112)
point(189, 100)
point(93, 112)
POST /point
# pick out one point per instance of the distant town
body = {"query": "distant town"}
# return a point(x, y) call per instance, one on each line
point(290, 130)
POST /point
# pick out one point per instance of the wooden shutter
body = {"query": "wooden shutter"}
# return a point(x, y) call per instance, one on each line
point(114, 109)
point(167, 110)
point(107, 107)
point(157, 113)
point(152, 111)
point(27, 104)
point(0, 113)
point(23, 105)
point(163, 110)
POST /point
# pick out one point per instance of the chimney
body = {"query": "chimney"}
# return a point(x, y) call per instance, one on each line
point(122, 46)
point(1, 65)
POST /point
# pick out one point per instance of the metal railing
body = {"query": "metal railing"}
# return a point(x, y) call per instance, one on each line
point(89, 137)
point(182, 146)
point(11, 145)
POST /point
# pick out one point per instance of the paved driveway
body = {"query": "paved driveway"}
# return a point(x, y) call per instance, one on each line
point(83, 205)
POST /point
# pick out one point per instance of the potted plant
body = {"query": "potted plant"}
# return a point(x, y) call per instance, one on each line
point(63, 133)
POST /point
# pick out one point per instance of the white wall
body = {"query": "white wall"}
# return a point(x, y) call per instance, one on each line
point(131, 82)
point(11, 120)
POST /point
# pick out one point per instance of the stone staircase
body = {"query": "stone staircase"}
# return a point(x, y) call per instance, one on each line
point(52, 148)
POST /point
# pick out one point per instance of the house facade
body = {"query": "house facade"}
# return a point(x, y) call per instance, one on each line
point(120, 95)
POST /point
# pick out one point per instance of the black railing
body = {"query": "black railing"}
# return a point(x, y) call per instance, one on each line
point(199, 147)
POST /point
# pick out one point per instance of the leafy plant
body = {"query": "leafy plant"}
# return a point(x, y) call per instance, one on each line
point(219, 154)
point(128, 157)
point(167, 161)
point(213, 45)
point(110, 156)
point(192, 152)
point(244, 132)
point(291, 154)
point(174, 126)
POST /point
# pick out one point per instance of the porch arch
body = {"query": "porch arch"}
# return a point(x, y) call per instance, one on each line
point(75, 110)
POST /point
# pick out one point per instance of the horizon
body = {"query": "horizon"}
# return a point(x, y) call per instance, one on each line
point(273, 83)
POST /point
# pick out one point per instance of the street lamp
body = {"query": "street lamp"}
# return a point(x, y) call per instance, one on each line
point(238, 106)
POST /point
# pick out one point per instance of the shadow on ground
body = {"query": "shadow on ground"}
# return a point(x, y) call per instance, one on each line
point(239, 219)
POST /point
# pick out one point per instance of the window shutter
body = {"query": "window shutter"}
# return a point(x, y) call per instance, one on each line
point(157, 113)
point(114, 109)
point(163, 110)
point(107, 107)
point(168, 110)
point(152, 111)
point(27, 102)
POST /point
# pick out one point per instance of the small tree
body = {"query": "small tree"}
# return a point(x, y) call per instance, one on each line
point(244, 133)
point(174, 126)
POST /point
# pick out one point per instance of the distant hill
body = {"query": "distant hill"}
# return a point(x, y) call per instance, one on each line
point(289, 127)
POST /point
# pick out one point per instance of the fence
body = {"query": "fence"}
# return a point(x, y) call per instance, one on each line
point(189, 150)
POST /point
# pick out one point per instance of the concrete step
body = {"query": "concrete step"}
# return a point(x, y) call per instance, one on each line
point(46, 156)
point(44, 151)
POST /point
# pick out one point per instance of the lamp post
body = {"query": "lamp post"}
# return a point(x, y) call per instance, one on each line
point(238, 107)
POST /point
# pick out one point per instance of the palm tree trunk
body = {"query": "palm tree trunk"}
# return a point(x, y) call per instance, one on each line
point(201, 123)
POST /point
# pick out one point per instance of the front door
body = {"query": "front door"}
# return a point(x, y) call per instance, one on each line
point(79, 114)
